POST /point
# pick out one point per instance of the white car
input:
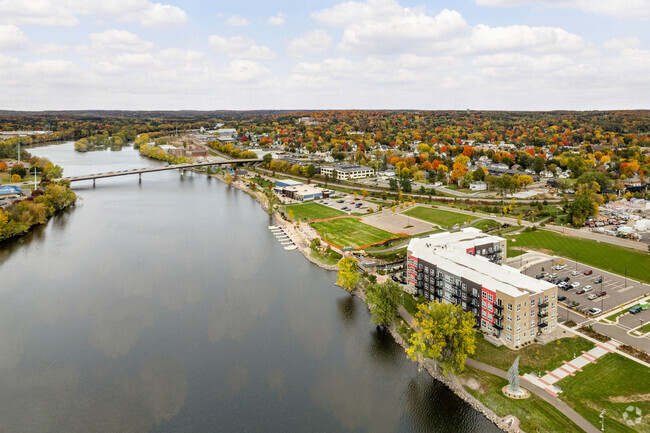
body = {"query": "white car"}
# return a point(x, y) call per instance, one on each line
point(586, 288)
point(594, 311)
point(574, 273)
point(492, 215)
point(592, 297)
point(575, 284)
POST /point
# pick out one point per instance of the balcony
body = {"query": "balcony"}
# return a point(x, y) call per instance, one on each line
point(497, 326)
point(471, 295)
point(498, 307)
point(542, 314)
point(542, 325)
point(498, 316)
point(543, 305)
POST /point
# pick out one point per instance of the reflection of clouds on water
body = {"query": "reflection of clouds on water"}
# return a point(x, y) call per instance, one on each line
point(34, 401)
point(308, 319)
point(277, 380)
point(345, 394)
point(237, 378)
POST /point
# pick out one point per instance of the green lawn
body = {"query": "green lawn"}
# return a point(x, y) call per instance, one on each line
point(550, 355)
point(644, 329)
point(613, 384)
point(326, 257)
point(620, 313)
point(443, 218)
point(390, 256)
point(486, 224)
point(312, 211)
point(346, 232)
point(535, 415)
point(515, 253)
point(599, 254)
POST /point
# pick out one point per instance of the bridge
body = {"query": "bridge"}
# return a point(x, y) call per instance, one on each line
point(140, 171)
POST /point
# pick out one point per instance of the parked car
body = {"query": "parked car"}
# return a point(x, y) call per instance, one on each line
point(592, 297)
point(600, 293)
point(566, 279)
point(574, 273)
point(539, 276)
point(580, 292)
point(598, 280)
point(554, 275)
point(588, 272)
point(340, 201)
point(394, 278)
point(588, 288)
point(563, 285)
point(636, 309)
point(575, 284)
point(561, 298)
point(594, 311)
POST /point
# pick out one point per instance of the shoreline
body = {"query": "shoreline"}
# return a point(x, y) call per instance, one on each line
point(430, 366)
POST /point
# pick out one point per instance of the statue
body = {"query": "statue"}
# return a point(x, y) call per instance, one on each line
point(513, 378)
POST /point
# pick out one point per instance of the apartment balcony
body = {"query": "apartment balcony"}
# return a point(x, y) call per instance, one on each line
point(543, 305)
point(497, 326)
point(498, 307)
point(542, 325)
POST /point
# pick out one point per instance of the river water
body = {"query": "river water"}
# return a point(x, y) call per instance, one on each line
point(168, 306)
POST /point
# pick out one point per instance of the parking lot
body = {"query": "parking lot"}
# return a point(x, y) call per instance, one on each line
point(348, 204)
point(619, 290)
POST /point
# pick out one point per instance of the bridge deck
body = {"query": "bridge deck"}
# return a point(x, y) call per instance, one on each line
point(161, 168)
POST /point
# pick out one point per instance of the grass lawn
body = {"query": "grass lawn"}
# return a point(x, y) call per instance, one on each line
point(346, 232)
point(535, 415)
point(410, 303)
point(443, 218)
point(486, 224)
point(326, 257)
point(390, 256)
point(644, 329)
point(599, 254)
point(620, 313)
point(613, 384)
point(550, 355)
point(515, 253)
point(312, 211)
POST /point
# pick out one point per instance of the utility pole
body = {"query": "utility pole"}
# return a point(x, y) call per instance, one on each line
point(19, 152)
point(35, 186)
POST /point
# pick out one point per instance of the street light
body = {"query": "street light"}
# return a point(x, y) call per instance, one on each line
point(576, 261)
point(35, 178)
point(602, 420)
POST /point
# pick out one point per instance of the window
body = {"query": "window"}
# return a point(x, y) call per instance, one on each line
point(483, 313)
point(489, 326)
point(474, 292)
point(426, 269)
point(464, 286)
point(509, 327)
point(552, 315)
point(509, 316)
point(518, 338)
point(518, 328)
point(489, 307)
point(483, 324)
point(518, 317)
point(552, 324)
point(508, 337)
point(509, 307)
point(553, 295)
point(532, 332)
point(489, 317)
point(490, 298)
point(464, 305)
point(518, 307)
point(484, 304)
point(484, 295)
point(532, 313)
point(464, 296)
point(532, 303)
point(532, 323)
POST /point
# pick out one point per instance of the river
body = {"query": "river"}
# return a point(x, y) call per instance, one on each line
point(168, 306)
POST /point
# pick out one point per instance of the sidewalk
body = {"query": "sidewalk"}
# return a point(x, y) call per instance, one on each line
point(571, 368)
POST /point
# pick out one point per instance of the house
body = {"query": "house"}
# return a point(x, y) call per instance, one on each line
point(478, 186)
point(463, 268)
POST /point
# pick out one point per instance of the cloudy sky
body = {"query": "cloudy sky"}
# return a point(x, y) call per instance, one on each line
point(321, 54)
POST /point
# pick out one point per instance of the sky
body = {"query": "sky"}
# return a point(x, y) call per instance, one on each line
point(325, 54)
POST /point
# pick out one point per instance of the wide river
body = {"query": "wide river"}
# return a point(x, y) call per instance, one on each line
point(168, 306)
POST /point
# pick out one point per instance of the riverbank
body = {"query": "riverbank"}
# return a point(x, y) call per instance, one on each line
point(302, 241)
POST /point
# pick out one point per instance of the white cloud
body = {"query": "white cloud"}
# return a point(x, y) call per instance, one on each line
point(48, 48)
point(65, 12)
point(522, 38)
point(246, 70)
point(621, 44)
point(11, 38)
point(237, 47)
point(614, 8)
point(277, 20)
point(237, 21)
point(316, 41)
point(117, 42)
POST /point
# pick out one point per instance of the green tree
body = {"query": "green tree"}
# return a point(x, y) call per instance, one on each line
point(267, 159)
point(311, 170)
point(443, 332)
point(383, 300)
point(392, 184)
point(539, 164)
point(348, 273)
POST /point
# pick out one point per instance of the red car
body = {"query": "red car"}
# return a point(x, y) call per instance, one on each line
point(580, 292)
point(601, 293)
point(588, 272)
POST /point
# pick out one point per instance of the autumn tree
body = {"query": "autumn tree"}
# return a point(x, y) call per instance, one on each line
point(443, 332)
point(383, 300)
point(348, 275)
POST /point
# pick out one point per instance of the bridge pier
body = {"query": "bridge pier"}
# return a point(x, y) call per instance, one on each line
point(139, 177)
point(182, 172)
point(93, 183)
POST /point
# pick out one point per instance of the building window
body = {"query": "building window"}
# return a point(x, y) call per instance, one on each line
point(509, 307)
point(509, 327)
point(532, 303)
point(464, 296)
point(484, 314)
point(518, 317)
point(518, 307)
point(483, 324)
point(464, 305)
point(484, 304)
point(552, 315)
point(518, 328)
point(508, 337)
point(489, 317)
point(490, 298)
point(552, 324)
point(553, 295)
point(489, 307)
point(509, 316)
point(518, 338)
point(489, 325)
point(464, 286)
point(532, 332)
point(484, 295)
point(532, 323)
point(426, 269)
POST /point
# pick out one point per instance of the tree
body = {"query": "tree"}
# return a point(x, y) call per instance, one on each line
point(383, 300)
point(315, 244)
point(348, 273)
point(290, 214)
point(478, 174)
point(15, 178)
point(364, 192)
point(392, 184)
point(311, 170)
point(539, 164)
point(445, 333)
point(228, 178)
point(266, 159)
point(19, 170)
point(405, 183)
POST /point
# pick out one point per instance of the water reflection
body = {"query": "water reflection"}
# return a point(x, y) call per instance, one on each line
point(347, 307)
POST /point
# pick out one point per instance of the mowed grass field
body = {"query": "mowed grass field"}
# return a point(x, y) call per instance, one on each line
point(614, 384)
point(345, 232)
point(598, 254)
point(443, 218)
point(312, 211)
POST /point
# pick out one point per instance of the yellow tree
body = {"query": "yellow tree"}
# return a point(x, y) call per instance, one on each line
point(15, 178)
point(364, 192)
point(348, 273)
point(443, 332)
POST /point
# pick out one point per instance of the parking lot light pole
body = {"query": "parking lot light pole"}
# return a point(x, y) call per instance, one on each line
point(576, 261)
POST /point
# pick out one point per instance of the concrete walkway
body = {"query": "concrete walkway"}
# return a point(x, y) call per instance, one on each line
point(571, 368)
point(542, 393)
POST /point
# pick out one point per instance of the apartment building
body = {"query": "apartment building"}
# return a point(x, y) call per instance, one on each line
point(464, 268)
point(345, 172)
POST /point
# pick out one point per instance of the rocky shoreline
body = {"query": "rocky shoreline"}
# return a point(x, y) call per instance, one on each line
point(452, 382)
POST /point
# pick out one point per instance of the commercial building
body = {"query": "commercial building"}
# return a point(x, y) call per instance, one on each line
point(299, 191)
point(478, 186)
point(345, 172)
point(464, 268)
